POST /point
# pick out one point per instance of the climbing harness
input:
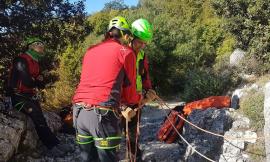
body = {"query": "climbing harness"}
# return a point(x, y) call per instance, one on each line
point(107, 143)
point(101, 143)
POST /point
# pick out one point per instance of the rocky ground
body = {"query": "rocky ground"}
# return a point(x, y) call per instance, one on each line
point(222, 121)
point(154, 150)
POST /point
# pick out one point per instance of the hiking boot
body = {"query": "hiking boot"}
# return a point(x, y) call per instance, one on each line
point(235, 102)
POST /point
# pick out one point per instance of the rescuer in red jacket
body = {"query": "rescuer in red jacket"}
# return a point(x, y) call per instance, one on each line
point(23, 80)
point(142, 32)
point(108, 77)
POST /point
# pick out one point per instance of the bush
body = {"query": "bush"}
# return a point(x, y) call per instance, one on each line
point(248, 22)
point(251, 65)
point(203, 83)
point(60, 93)
point(252, 107)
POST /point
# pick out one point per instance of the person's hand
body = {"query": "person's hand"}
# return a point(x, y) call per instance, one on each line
point(128, 113)
point(151, 95)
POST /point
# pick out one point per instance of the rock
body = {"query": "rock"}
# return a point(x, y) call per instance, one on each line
point(220, 121)
point(53, 120)
point(250, 136)
point(17, 132)
point(236, 140)
point(6, 150)
point(31, 138)
point(267, 120)
point(12, 128)
point(236, 57)
point(244, 123)
point(214, 120)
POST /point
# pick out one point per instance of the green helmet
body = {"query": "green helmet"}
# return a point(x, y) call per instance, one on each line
point(142, 29)
point(119, 22)
point(31, 40)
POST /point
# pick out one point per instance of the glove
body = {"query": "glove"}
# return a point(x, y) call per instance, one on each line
point(150, 95)
point(128, 113)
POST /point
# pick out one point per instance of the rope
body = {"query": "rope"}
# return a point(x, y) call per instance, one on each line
point(209, 132)
point(128, 145)
point(207, 158)
point(137, 134)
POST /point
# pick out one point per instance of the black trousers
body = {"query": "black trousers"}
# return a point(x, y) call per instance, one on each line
point(30, 107)
point(93, 124)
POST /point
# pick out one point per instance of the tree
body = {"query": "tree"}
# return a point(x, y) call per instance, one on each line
point(57, 22)
point(115, 5)
point(248, 21)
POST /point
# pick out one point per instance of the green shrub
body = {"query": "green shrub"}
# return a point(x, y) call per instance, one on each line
point(203, 83)
point(257, 151)
point(251, 65)
point(68, 73)
point(252, 107)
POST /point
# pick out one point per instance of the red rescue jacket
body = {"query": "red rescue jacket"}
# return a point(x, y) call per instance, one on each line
point(108, 74)
point(23, 74)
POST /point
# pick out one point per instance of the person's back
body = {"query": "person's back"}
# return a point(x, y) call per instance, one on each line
point(103, 74)
point(108, 76)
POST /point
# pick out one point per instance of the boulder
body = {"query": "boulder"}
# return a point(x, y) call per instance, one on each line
point(53, 120)
point(212, 119)
point(12, 127)
point(236, 57)
point(267, 120)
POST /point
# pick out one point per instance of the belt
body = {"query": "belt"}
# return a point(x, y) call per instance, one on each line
point(90, 106)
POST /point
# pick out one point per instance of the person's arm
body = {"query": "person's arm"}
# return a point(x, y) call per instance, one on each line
point(129, 93)
point(22, 68)
point(146, 82)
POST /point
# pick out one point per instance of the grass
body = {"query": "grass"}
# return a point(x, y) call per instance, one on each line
point(257, 151)
point(252, 105)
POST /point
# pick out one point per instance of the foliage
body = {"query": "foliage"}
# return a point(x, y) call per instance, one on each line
point(57, 22)
point(257, 151)
point(248, 21)
point(60, 93)
point(203, 83)
point(188, 37)
point(115, 5)
point(252, 106)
